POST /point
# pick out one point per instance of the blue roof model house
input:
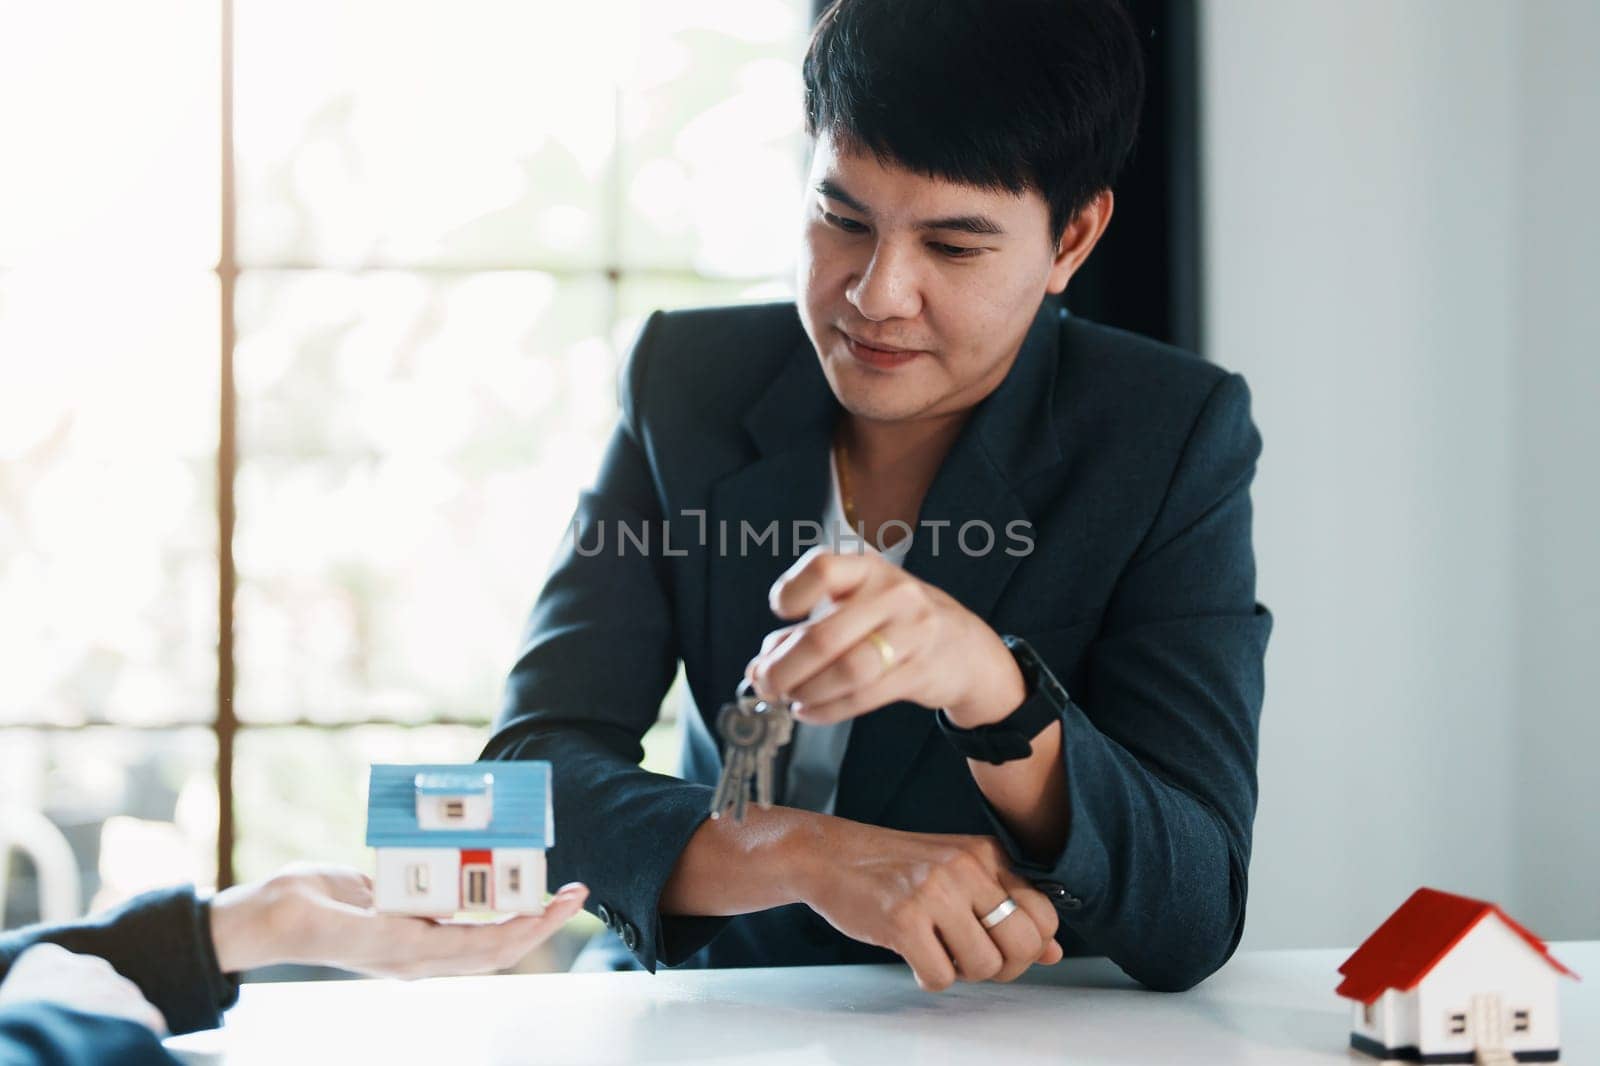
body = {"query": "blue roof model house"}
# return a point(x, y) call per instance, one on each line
point(463, 837)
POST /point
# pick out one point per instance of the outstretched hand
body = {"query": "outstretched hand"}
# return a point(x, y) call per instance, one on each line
point(323, 915)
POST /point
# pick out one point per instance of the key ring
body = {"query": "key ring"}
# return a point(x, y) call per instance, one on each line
point(745, 694)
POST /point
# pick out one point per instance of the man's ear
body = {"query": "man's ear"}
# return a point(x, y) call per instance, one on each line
point(1078, 239)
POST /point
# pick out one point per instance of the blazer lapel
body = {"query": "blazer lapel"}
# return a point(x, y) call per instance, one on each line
point(791, 426)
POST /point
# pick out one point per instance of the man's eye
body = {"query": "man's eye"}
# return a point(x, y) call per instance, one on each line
point(849, 225)
point(956, 251)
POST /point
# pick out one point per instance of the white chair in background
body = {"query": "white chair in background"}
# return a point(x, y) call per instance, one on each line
point(31, 833)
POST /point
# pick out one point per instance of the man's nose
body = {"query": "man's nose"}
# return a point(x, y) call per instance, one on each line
point(888, 287)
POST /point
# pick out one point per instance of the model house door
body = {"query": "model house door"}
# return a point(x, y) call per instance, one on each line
point(475, 882)
point(1487, 1023)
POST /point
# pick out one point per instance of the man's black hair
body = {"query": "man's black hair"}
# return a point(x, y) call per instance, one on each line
point(998, 94)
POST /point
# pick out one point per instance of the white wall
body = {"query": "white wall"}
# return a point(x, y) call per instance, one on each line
point(1368, 271)
point(1557, 458)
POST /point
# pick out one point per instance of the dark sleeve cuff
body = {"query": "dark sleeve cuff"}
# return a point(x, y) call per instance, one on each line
point(224, 986)
point(161, 941)
point(677, 937)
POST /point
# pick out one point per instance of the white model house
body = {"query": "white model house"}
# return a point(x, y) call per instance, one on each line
point(460, 837)
point(1452, 979)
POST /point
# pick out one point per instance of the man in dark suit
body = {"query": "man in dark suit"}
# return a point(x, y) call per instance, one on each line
point(1028, 720)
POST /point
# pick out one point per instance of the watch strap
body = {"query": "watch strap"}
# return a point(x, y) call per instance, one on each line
point(1011, 738)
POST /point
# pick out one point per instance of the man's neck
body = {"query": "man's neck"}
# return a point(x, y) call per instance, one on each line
point(911, 450)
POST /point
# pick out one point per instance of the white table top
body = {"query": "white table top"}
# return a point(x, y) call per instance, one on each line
point(1273, 1008)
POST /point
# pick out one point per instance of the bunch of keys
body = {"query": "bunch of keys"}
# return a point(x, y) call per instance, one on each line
point(753, 730)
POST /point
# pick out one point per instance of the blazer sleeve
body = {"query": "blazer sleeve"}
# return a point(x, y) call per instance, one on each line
point(599, 652)
point(161, 941)
point(44, 1034)
point(1160, 746)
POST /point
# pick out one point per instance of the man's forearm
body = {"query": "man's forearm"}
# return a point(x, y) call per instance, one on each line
point(734, 867)
point(1030, 795)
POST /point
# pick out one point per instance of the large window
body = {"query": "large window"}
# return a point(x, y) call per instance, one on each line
point(310, 315)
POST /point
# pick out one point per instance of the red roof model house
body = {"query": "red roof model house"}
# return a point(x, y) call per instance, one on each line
point(1452, 979)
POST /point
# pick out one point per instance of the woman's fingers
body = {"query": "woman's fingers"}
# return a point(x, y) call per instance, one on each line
point(49, 973)
point(459, 947)
point(400, 945)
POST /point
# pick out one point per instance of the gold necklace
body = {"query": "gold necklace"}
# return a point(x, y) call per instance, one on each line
point(846, 498)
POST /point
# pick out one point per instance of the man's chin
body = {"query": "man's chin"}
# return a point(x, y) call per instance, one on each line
point(879, 408)
point(869, 394)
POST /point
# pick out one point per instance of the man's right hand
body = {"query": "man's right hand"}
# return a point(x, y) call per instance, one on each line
point(923, 896)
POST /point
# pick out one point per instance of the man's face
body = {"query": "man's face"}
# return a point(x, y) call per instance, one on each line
point(950, 272)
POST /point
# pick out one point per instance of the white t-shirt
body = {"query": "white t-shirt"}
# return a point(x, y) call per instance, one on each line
point(812, 782)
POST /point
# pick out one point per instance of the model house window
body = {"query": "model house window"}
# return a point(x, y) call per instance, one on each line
point(455, 810)
point(514, 884)
point(1366, 1013)
point(478, 887)
point(1519, 1021)
point(1458, 1023)
point(418, 879)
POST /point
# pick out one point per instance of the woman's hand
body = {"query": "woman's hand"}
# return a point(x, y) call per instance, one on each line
point(49, 973)
point(323, 915)
point(888, 636)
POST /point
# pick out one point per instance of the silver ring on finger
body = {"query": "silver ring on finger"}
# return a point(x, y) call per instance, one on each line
point(1006, 909)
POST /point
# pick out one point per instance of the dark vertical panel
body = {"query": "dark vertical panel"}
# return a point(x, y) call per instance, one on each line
point(1185, 231)
point(1145, 274)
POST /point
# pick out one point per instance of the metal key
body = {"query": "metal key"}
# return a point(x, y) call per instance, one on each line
point(753, 731)
point(779, 730)
point(743, 732)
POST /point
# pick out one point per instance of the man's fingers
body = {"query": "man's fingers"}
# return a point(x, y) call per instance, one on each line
point(861, 666)
point(1042, 913)
point(770, 641)
point(885, 690)
point(820, 572)
point(976, 955)
point(830, 656)
point(929, 960)
point(1020, 941)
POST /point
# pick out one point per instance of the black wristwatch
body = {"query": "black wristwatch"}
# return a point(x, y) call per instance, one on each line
point(1011, 738)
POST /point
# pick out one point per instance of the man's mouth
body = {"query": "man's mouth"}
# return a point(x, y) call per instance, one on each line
point(879, 358)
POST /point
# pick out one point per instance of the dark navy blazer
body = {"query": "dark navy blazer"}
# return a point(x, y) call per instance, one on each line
point(1131, 463)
